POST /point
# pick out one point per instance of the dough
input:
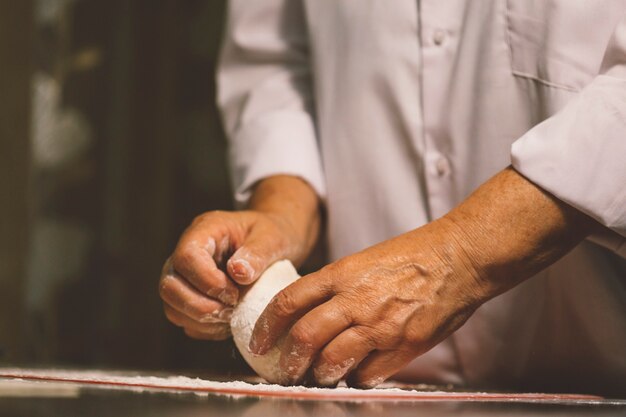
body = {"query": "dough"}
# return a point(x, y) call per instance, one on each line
point(250, 307)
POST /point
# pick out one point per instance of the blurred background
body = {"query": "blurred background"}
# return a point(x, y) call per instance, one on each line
point(110, 144)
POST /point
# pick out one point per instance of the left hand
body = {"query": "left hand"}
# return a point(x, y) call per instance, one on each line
point(367, 315)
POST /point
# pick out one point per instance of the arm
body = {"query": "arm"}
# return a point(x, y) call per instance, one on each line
point(265, 95)
point(292, 202)
point(265, 99)
point(511, 229)
point(369, 314)
point(221, 249)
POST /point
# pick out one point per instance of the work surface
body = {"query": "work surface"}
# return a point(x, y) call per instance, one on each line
point(26, 392)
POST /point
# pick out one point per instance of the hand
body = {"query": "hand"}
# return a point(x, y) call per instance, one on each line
point(219, 250)
point(369, 314)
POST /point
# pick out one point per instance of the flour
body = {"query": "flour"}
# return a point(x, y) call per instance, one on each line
point(246, 313)
point(183, 383)
point(240, 389)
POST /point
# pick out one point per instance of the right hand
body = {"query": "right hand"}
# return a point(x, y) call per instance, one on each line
point(221, 249)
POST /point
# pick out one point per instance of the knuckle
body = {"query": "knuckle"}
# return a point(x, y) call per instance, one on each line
point(165, 287)
point(414, 338)
point(183, 256)
point(197, 311)
point(302, 333)
point(345, 308)
point(331, 358)
point(367, 336)
point(389, 328)
point(400, 331)
point(284, 304)
point(203, 217)
point(332, 268)
point(326, 278)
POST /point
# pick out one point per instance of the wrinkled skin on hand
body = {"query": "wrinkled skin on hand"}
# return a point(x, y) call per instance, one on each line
point(221, 251)
point(369, 314)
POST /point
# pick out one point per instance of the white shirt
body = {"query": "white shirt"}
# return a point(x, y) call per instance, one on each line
point(396, 110)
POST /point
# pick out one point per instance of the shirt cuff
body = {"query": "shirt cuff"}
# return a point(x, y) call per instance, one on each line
point(279, 143)
point(578, 154)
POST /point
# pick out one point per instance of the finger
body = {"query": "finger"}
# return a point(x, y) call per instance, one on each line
point(254, 256)
point(196, 264)
point(379, 366)
point(285, 308)
point(212, 331)
point(344, 353)
point(220, 250)
point(181, 296)
point(308, 336)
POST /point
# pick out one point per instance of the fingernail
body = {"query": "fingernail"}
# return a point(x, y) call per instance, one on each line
point(257, 347)
point(241, 271)
point(372, 383)
point(253, 347)
point(329, 375)
point(226, 314)
point(258, 343)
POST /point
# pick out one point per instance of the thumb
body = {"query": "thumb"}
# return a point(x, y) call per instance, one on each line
point(258, 252)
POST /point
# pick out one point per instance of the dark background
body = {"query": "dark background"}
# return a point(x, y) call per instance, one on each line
point(110, 144)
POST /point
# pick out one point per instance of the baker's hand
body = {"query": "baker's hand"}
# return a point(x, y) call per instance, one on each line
point(369, 314)
point(219, 250)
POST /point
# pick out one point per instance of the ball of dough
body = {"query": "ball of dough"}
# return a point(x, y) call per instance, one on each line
point(250, 307)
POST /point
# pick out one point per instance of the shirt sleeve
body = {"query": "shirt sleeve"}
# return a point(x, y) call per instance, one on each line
point(265, 95)
point(579, 154)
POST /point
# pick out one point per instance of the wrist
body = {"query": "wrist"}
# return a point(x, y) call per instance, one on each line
point(292, 204)
point(511, 229)
point(453, 247)
point(461, 241)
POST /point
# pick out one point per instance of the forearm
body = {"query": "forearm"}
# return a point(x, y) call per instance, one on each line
point(407, 294)
point(510, 229)
point(293, 201)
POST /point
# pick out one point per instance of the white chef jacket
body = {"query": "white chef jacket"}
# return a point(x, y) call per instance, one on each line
point(396, 110)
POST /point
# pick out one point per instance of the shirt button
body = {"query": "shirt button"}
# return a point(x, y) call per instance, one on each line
point(439, 35)
point(442, 166)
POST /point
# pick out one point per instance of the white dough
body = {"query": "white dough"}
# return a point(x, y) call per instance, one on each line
point(250, 307)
